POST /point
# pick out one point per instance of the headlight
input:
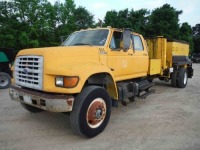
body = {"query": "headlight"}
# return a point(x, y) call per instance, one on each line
point(68, 82)
point(59, 81)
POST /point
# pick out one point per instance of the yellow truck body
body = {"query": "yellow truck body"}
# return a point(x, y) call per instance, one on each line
point(93, 70)
point(161, 53)
point(176, 48)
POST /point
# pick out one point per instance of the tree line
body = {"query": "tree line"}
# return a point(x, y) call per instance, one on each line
point(39, 23)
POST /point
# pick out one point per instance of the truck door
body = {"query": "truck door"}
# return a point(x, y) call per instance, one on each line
point(118, 60)
point(140, 59)
point(125, 65)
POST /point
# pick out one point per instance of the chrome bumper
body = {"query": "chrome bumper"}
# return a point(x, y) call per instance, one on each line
point(46, 101)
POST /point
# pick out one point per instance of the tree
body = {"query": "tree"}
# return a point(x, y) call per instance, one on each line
point(196, 38)
point(196, 30)
point(38, 23)
point(28, 13)
point(118, 19)
point(164, 21)
point(185, 32)
point(186, 35)
point(8, 24)
point(83, 18)
point(66, 23)
point(111, 19)
point(135, 20)
point(139, 20)
point(123, 19)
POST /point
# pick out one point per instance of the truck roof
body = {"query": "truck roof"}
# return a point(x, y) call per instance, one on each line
point(108, 28)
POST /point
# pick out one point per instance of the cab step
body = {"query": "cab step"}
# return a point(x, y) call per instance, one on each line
point(146, 87)
point(145, 84)
point(144, 96)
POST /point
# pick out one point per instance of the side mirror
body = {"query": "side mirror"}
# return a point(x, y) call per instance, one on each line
point(126, 40)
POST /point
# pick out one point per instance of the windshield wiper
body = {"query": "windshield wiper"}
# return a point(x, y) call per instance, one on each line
point(82, 44)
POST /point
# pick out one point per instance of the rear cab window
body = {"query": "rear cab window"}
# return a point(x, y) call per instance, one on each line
point(137, 43)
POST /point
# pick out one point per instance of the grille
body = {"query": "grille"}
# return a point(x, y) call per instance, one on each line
point(29, 71)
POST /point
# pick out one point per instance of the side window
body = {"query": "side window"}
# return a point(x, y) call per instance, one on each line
point(115, 41)
point(137, 43)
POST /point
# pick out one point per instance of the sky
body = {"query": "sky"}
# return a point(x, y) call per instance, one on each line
point(191, 10)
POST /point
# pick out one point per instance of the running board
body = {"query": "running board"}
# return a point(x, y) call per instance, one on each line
point(146, 87)
point(144, 96)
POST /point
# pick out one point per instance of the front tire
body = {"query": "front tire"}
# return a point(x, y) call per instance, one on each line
point(182, 78)
point(91, 111)
point(5, 80)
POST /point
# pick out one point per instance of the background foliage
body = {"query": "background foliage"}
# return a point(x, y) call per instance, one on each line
point(38, 23)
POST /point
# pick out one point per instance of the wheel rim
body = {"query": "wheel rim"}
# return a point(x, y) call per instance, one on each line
point(3, 81)
point(185, 78)
point(96, 113)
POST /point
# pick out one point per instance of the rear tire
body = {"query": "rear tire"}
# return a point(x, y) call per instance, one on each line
point(91, 111)
point(182, 78)
point(5, 80)
point(174, 78)
point(31, 108)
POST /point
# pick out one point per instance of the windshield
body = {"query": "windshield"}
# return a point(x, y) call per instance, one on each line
point(88, 37)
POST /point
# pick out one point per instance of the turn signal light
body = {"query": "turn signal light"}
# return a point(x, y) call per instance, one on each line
point(70, 81)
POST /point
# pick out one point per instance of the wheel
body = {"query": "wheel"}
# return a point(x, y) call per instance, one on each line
point(91, 111)
point(5, 80)
point(174, 78)
point(31, 108)
point(182, 78)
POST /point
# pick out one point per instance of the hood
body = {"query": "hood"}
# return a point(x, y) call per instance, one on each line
point(61, 51)
point(65, 57)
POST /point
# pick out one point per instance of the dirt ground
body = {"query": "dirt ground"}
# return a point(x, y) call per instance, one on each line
point(169, 119)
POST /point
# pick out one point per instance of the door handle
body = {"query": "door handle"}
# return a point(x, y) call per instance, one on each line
point(144, 54)
point(130, 54)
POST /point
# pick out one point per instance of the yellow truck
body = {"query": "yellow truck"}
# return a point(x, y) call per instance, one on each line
point(93, 70)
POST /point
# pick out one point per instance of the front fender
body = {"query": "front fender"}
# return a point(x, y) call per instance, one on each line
point(83, 70)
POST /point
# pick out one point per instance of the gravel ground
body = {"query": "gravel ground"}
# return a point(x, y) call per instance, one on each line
point(169, 119)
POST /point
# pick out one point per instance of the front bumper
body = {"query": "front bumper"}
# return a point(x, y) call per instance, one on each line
point(46, 101)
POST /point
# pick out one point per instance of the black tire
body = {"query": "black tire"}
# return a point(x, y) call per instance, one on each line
point(182, 78)
point(31, 108)
point(174, 78)
point(5, 80)
point(91, 99)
